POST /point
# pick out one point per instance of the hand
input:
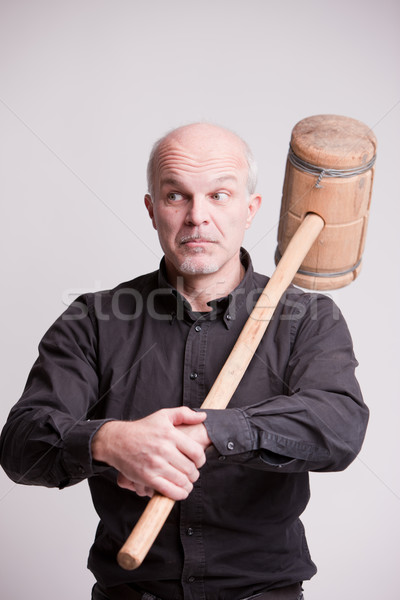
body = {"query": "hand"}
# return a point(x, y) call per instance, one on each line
point(197, 433)
point(154, 453)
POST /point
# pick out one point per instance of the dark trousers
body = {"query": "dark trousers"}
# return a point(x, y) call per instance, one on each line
point(125, 592)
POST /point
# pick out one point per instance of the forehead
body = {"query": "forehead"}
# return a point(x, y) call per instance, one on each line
point(201, 153)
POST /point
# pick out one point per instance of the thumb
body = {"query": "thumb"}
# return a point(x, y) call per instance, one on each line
point(186, 416)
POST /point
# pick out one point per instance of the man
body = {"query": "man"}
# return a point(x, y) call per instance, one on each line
point(113, 397)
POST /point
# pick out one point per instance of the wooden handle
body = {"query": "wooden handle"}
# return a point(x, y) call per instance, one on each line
point(145, 532)
point(157, 510)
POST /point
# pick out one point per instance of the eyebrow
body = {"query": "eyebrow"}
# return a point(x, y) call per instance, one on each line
point(169, 181)
point(225, 178)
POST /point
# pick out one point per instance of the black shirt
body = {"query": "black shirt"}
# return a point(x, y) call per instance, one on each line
point(125, 353)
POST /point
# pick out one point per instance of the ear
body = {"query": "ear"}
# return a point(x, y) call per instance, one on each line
point(150, 209)
point(253, 206)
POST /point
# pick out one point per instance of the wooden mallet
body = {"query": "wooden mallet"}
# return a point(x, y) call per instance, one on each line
point(323, 222)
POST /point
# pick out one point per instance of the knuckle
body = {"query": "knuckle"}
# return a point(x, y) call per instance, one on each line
point(154, 462)
point(194, 476)
point(182, 479)
point(181, 494)
point(160, 416)
point(122, 481)
point(198, 456)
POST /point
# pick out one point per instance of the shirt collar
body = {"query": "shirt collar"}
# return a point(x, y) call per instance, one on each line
point(227, 307)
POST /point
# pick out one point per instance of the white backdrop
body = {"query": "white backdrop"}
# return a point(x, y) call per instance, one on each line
point(85, 89)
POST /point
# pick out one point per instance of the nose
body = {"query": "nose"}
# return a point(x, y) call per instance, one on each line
point(197, 211)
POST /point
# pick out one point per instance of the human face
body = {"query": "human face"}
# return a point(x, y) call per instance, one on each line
point(201, 206)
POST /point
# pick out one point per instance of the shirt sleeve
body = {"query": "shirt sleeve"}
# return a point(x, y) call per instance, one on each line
point(47, 437)
point(319, 423)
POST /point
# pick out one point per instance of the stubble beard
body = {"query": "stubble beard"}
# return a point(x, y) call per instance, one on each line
point(193, 266)
point(189, 267)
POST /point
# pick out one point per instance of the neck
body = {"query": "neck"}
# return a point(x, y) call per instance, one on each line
point(200, 289)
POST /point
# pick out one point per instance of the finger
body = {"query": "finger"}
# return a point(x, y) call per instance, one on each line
point(181, 455)
point(144, 490)
point(175, 485)
point(133, 486)
point(170, 466)
point(169, 489)
point(198, 433)
point(125, 483)
point(185, 415)
point(191, 449)
point(177, 469)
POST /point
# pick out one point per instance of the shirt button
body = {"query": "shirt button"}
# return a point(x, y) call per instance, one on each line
point(193, 375)
point(189, 531)
point(228, 317)
point(230, 445)
point(222, 457)
point(197, 328)
point(192, 579)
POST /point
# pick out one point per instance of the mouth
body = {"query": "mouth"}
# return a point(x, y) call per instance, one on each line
point(194, 243)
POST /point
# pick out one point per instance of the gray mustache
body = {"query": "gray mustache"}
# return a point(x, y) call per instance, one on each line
point(195, 237)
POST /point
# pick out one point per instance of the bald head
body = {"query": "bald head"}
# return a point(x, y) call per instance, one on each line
point(206, 141)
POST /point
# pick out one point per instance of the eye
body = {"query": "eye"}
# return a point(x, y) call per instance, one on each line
point(175, 197)
point(220, 196)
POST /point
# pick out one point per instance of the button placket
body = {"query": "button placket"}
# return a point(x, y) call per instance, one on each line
point(191, 509)
point(194, 364)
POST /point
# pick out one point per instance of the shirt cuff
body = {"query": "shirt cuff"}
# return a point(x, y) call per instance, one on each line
point(231, 435)
point(77, 450)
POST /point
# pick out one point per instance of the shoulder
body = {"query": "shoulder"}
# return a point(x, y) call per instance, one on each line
point(142, 283)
